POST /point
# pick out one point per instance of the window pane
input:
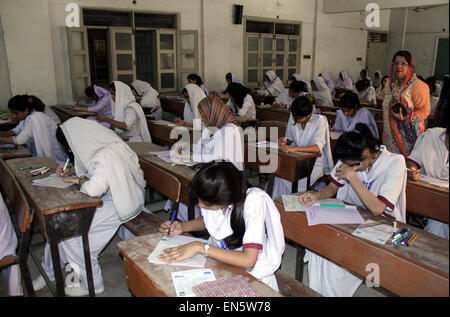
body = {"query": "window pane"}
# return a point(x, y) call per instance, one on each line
point(80, 85)
point(167, 61)
point(124, 62)
point(267, 44)
point(252, 60)
point(252, 75)
point(188, 60)
point(280, 44)
point(291, 71)
point(106, 18)
point(280, 73)
point(279, 61)
point(187, 41)
point(127, 79)
point(290, 29)
point(79, 63)
point(166, 41)
point(267, 60)
point(163, 21)
point(292, 45)
point(292, 60)
point(123, 41)
point(259, 27)
point(167, 80)
point(77, 40)
point(252, 43)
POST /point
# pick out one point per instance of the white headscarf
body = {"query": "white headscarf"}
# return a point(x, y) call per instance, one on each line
point(147, 92)
point(92, 144)
point(299, 77)
point(323, 94)
point(124, 99)
point(275, 87)
point(346, 81)
point(196, 95)
point(235, 79)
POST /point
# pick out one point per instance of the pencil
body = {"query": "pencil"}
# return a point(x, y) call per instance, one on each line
point(414, 239)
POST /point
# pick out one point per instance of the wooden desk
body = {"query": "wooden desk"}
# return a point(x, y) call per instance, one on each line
point(146, 279)
point(272, 114)
point(20, 152)
point(280, 125)
point(258, 99)
point(173, 104)
point(245, 122)
point(418, 270)
point(427, 200)
point(160, 131)
point(59, 213)
point(6, 125)
point(338, 92)
point(65, 112)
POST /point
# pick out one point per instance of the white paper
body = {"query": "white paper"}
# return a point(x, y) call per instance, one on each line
point(291, 203)
point(434, 181)
point(332, 201)
point(5, 121)
point(378, 234)
point(266, 144)
point(184, 281)
point(163, 122)
point(335, 135)
point(178, 159)
point(54, 181)
point(197, 260)
point(329, 215)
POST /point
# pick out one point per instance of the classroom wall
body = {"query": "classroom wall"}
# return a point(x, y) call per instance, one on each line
point(38, 60)
point(335, 6)
point(422, 30)
point(5, 86)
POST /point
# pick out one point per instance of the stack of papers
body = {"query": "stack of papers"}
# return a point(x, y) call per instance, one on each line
point(184, 281)
point(267, 144)
point(266, 106)
point(434, 181)
point(197, 260)
point(332, 211)
point(332, 202)
point(335, 135)
point(53, 181)
point(178, 159)
point(291, 203)
point(379, 233)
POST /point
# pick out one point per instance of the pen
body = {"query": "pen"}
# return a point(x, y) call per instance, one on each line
point(401, 237)
point(332, 205)
point(65, 165)
point(414, 239)
point(29, 167)
point(171, 222)
point(35, 170)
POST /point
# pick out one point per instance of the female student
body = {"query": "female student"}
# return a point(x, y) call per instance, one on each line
point(273, 86)
point(328, 82)
point(365, 92)
point(296, 89)
point(351, 113)
point(38, 105)
point(344, 81)
point(232, 78)
point(101, 103)
point(305, 132)
point(243, 223)
point(36, 130)
point(406, 105)
point(376, 79)
point(366, 175)
point(321, 92)
point(226, 143)
point(8, 246)
point(197, 80)
point(149, 97)
point(242, 100)
point(430, 157)
point(284, 99)
point(381, 90)
point(193, 95)
point(129, 119)
point(112, 172)
point(363, 75)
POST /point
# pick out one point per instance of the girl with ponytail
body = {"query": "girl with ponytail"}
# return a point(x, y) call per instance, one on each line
point(368, 176)
point(243, 223)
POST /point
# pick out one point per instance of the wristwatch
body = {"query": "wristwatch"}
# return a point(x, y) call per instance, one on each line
point(206, 246)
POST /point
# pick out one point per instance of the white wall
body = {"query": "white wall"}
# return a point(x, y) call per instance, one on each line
point(335, 6)
point(38, 61)
point(5, 86)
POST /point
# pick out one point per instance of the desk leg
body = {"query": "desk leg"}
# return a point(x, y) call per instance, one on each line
point(87, 261)
point(299, 263)
point(57, 269)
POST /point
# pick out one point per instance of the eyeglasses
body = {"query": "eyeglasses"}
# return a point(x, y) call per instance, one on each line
point(404, 64)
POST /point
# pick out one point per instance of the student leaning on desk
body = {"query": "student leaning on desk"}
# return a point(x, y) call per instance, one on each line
point(366, 175)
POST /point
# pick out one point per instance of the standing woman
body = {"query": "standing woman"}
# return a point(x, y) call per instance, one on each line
point(193, 95)
point(113, 173)
point(149, 97)
point(129, 119)
point(36, 130)
point(101, 103)
point(242, 100)
point(366, 175)
point(321, 92)
point(273, 86)
point(197, 80)
point(243, 223)
point(328, 82)
point(405, 106)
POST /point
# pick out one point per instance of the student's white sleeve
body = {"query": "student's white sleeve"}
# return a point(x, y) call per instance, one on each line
point(334, 179)
point(416, 154)
point(18, 128)
point(188, 115)
point(97, 185)
point(319, 138)
point(290, 129)
point(254, 218)
point(392, 186)
point(25, 134)
point(130, 117)
point(338, 126)
point(243, 111)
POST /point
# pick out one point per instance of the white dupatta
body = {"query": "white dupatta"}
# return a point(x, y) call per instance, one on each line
point(147, 92)
point(196, 95)
point(93, 144)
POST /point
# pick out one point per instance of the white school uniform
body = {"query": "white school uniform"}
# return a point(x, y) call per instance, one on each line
point(49, 112)
point(431, 154)
point(284, 98)
point(248, 109)
point(369, 94)
point(195, 96)
point(263, 231)
point(8, 245)
point(150, 97)
point(225, 144)
point(38, 132)
point(316, 132)
point(323, 94)
point(115, 176)
point(386, 180)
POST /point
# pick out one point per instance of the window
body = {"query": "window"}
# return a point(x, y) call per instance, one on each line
point(270, 46)
point(377, 37)
point(162, 21)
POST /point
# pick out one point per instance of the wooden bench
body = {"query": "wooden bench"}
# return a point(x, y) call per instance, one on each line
point(290, 287)
point(162, 182)
point(23, 217)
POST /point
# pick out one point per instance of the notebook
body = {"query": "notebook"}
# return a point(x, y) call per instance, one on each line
point(225, 287)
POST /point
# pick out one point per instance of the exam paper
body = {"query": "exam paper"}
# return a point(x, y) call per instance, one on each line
point(332, 215)
point(54, 181)
point(332, 202)
point(335, 135)
point(197, 260)
point(291, 203)
point(184, 281)
point(378, 234)
point(179, 159)
point(434, 181)
point(266, 144)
